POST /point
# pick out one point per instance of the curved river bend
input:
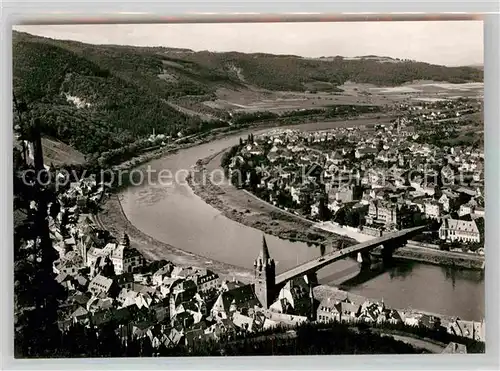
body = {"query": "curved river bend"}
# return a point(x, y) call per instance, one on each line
point(175, 215)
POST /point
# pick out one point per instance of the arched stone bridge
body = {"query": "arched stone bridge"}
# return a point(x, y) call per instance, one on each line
point(389, 242)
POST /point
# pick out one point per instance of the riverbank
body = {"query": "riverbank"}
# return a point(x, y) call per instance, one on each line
point(439, 257)
point(220, 133)
point(190, 224)
point(414, 252)
point(113, 219)
point(249, 210)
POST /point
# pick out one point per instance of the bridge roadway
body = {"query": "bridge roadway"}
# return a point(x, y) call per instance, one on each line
point(316, 264)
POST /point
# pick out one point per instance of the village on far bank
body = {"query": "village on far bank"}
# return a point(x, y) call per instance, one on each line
point(375, 180)
point(106, 278)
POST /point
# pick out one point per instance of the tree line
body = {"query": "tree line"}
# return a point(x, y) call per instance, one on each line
point(294, 73)
point(119, 99)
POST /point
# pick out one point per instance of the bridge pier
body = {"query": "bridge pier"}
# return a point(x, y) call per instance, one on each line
point(387, 251)
point(388, 242)
point(312, 280)
point(389, 247)
point(364, 259)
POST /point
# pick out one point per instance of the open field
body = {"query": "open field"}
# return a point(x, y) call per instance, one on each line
point(253, 99)
point(279, 102)
point(417, 90)
point(203, 116)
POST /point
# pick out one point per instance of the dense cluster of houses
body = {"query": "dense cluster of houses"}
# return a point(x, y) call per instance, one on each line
point(380, 173)
point(437, 111)
point(108, 280)
point(344, 307)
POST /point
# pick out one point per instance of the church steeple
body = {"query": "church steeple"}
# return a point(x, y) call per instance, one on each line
point(125, 242)
point(264, 252)
point(264, 257)
point(265, 276)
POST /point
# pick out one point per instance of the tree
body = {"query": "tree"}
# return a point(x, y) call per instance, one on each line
point(42, 289)
point(55, 208)
point(146, 347)
point(306, 202)
point(380, 145)
point(324, 212)
point(108, 343)
point(352, 218)
point(443, 245)
point(437, 191)
point(284, 199)
point(17, 159)
point(434, 225)
point(236, 178)
point(254, 179)
point(340, 216)
point(455, 245)
point(108, 270)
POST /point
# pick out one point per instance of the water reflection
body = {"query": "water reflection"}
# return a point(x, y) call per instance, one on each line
point(338, 272)
point(395, 269)
point(454, 273)
point(400, 269)
point(364, 275)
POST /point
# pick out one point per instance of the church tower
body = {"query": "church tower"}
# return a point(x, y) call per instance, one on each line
point(265, 276)
point(125, 242)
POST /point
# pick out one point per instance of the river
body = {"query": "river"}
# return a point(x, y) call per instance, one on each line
point(172, 213)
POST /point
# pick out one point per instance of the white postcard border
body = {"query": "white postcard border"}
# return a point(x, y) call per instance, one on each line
point(13, 13)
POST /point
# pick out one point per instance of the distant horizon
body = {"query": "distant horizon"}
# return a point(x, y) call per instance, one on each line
point(478, 64)
point(446, 43)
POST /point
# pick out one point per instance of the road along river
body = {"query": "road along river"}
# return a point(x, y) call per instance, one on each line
point(170, 212)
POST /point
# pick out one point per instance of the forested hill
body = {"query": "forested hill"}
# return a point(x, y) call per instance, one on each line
point(98, 97)
point(278, 72)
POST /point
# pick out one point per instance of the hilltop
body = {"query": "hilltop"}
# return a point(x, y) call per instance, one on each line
point(101, 97)
point(477, 66)
point(288, 72)
point(97, 98)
